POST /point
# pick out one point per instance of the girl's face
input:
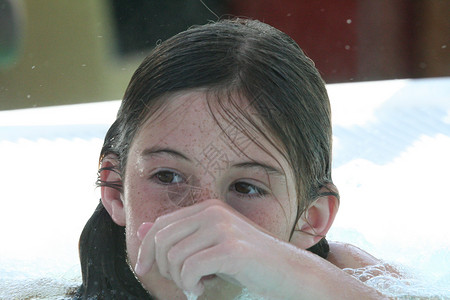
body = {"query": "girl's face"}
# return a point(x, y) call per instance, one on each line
point(183, 156)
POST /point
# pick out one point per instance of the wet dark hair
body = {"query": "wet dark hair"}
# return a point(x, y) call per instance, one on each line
point(230, 57)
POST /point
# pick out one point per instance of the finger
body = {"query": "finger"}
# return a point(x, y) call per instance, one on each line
point(198, 241)
point(146, 251)
point(218, 259)
point(167, 237)
point(164, 220)
point(154, 246)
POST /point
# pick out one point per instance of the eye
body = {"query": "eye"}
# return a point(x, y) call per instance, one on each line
point(168, 177)
point(247, 189)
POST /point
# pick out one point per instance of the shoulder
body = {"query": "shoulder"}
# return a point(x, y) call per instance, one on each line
point(345, 255)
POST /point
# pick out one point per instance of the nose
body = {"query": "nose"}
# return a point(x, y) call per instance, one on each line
point(202, 194)
point(192, 195)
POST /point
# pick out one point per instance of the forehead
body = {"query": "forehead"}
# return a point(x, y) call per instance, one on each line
point(193, 123)
point(183, 118)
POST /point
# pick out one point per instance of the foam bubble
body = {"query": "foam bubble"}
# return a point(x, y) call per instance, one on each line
point(403, 283)
point(38, 288)
point(247, 295)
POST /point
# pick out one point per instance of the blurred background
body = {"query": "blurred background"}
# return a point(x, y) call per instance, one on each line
point(56, 52)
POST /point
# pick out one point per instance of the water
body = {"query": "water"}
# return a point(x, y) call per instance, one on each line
point(245, 295)
point(190, 296)
point(391, 164)
point(408, 283)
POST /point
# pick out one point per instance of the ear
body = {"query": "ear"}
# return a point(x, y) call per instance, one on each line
point(315, 222)
point(111, 197)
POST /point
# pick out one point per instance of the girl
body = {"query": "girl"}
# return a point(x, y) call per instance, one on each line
point(216, 176)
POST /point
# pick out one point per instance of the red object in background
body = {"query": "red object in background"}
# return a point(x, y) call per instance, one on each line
point(325, 30)
point(351, 40)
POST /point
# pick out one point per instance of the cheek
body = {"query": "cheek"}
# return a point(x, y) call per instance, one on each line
point(142, 204)
point(269, 215)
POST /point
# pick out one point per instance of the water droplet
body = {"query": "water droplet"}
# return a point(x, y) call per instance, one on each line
point(28, 96)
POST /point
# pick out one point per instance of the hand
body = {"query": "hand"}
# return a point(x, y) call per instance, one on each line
point(210, 238)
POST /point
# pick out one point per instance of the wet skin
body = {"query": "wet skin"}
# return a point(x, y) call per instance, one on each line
point(204, 217)
point(180, 159)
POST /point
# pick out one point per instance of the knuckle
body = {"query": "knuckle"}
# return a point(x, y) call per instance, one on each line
point(229, 246)
point(222, 231)
point(173, 257)
point(159, 237)
point(236, 246)
point(188, 268)
point(216, 211)
point(160, 219)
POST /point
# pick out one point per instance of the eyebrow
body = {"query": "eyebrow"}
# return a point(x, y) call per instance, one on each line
point(149, 152)
point(259, 165)
point(158, 150)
